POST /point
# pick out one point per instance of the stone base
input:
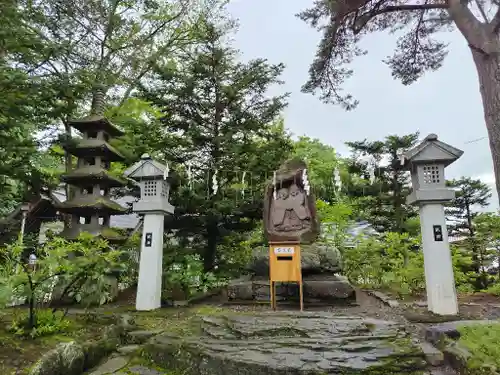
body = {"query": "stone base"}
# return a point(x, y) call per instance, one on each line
point(283, 343)
point(325, 289)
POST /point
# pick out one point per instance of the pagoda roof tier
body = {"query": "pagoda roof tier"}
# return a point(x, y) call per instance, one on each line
point(94, 147)
point(109, 234)
point(96, 123)
point(92, 175)
point(88, 205)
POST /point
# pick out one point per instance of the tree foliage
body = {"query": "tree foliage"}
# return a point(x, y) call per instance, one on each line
point(225, 135)
point(470, 194)
point(382, 200)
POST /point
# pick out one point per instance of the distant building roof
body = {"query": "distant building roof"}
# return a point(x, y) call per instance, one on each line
point(358, 229)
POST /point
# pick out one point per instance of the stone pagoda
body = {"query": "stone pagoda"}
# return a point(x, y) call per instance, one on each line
point(89, 203)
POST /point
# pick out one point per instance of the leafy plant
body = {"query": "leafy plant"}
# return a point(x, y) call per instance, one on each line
point(483, 342)
point(395, 262)
point(47, 323)
point(69, 264)
point(186, 277)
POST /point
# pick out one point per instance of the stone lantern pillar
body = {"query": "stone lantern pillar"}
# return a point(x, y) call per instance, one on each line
point(153, 180)
point(426, 163)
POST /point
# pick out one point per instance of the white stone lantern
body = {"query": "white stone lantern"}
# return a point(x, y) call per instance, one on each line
point(152, 178)
point(427, 162)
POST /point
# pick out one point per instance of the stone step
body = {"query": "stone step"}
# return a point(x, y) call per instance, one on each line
point(287, 342)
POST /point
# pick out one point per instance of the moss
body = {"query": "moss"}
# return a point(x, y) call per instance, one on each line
point(483, 343)
point(18, 352)
point(146, 362)
point(181, 321)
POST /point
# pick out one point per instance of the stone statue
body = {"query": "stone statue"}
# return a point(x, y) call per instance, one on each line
point(291, 217)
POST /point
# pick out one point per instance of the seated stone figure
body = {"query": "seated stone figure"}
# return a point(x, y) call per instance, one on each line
point(291, 217)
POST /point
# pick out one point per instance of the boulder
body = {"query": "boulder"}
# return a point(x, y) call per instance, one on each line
point(316, 258)
point(65, 358)
point(333, 288)
point(280, 343)
point(329, 290)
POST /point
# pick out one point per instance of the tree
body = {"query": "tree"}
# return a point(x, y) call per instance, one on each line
point(384, 200)
point(488, 245)
point(469, 193)
point(321, 161)
point(93, 47)
point(225, 136)
point(417, 51)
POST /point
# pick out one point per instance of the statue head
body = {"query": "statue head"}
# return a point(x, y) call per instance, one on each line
point(294, 190)
point(282, 194)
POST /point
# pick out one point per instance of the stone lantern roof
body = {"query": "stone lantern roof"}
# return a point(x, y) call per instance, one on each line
point(431, 150)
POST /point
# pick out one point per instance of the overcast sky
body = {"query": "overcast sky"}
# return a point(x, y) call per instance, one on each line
point(446, 102)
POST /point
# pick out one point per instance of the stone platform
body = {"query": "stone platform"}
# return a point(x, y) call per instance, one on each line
point(317, 288)
point(279, 343)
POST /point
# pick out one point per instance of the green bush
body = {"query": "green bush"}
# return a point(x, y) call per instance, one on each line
point(494, 289)
point(46, 323)
point(71, 265)
point(483, 342)
point(395, 262)
point(185, 277)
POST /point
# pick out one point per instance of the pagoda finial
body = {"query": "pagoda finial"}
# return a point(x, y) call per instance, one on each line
point(98, 100)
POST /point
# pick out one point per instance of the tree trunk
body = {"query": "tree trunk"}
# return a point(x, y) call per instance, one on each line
point(211, 249)
point(488, 71)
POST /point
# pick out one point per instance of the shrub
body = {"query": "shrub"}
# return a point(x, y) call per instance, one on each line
point(395, 261)
point(47, 323)
point(71, 264)
point(186, 276)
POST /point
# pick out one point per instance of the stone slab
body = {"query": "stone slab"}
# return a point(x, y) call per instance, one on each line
point(279, 343)
point(435, 333)
point(111, 366)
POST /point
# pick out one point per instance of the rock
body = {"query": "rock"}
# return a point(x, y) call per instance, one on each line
point(49, 364)
point(433, 356)
point(437, 333)
point(316, 258)
point(128, 349)
point(127, 321)
point(95, 351)
point(326, 289)
point(113, 333)
point(72, 358)
point(111, 365)
point(242, 290)
point(384, 298)
point(140, 337)
point(329, 289)
point(65, 358)
point(280, 343)
point(142, 370)
point(456, 356)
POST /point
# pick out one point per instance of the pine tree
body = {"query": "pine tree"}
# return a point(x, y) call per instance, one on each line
point(470, 194)
point(384, 200)
point(222, 126)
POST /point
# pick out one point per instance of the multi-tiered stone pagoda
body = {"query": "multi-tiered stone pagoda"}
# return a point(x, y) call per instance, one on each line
point(89, 205)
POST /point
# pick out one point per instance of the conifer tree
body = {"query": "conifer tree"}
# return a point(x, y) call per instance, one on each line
point(225, 133)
